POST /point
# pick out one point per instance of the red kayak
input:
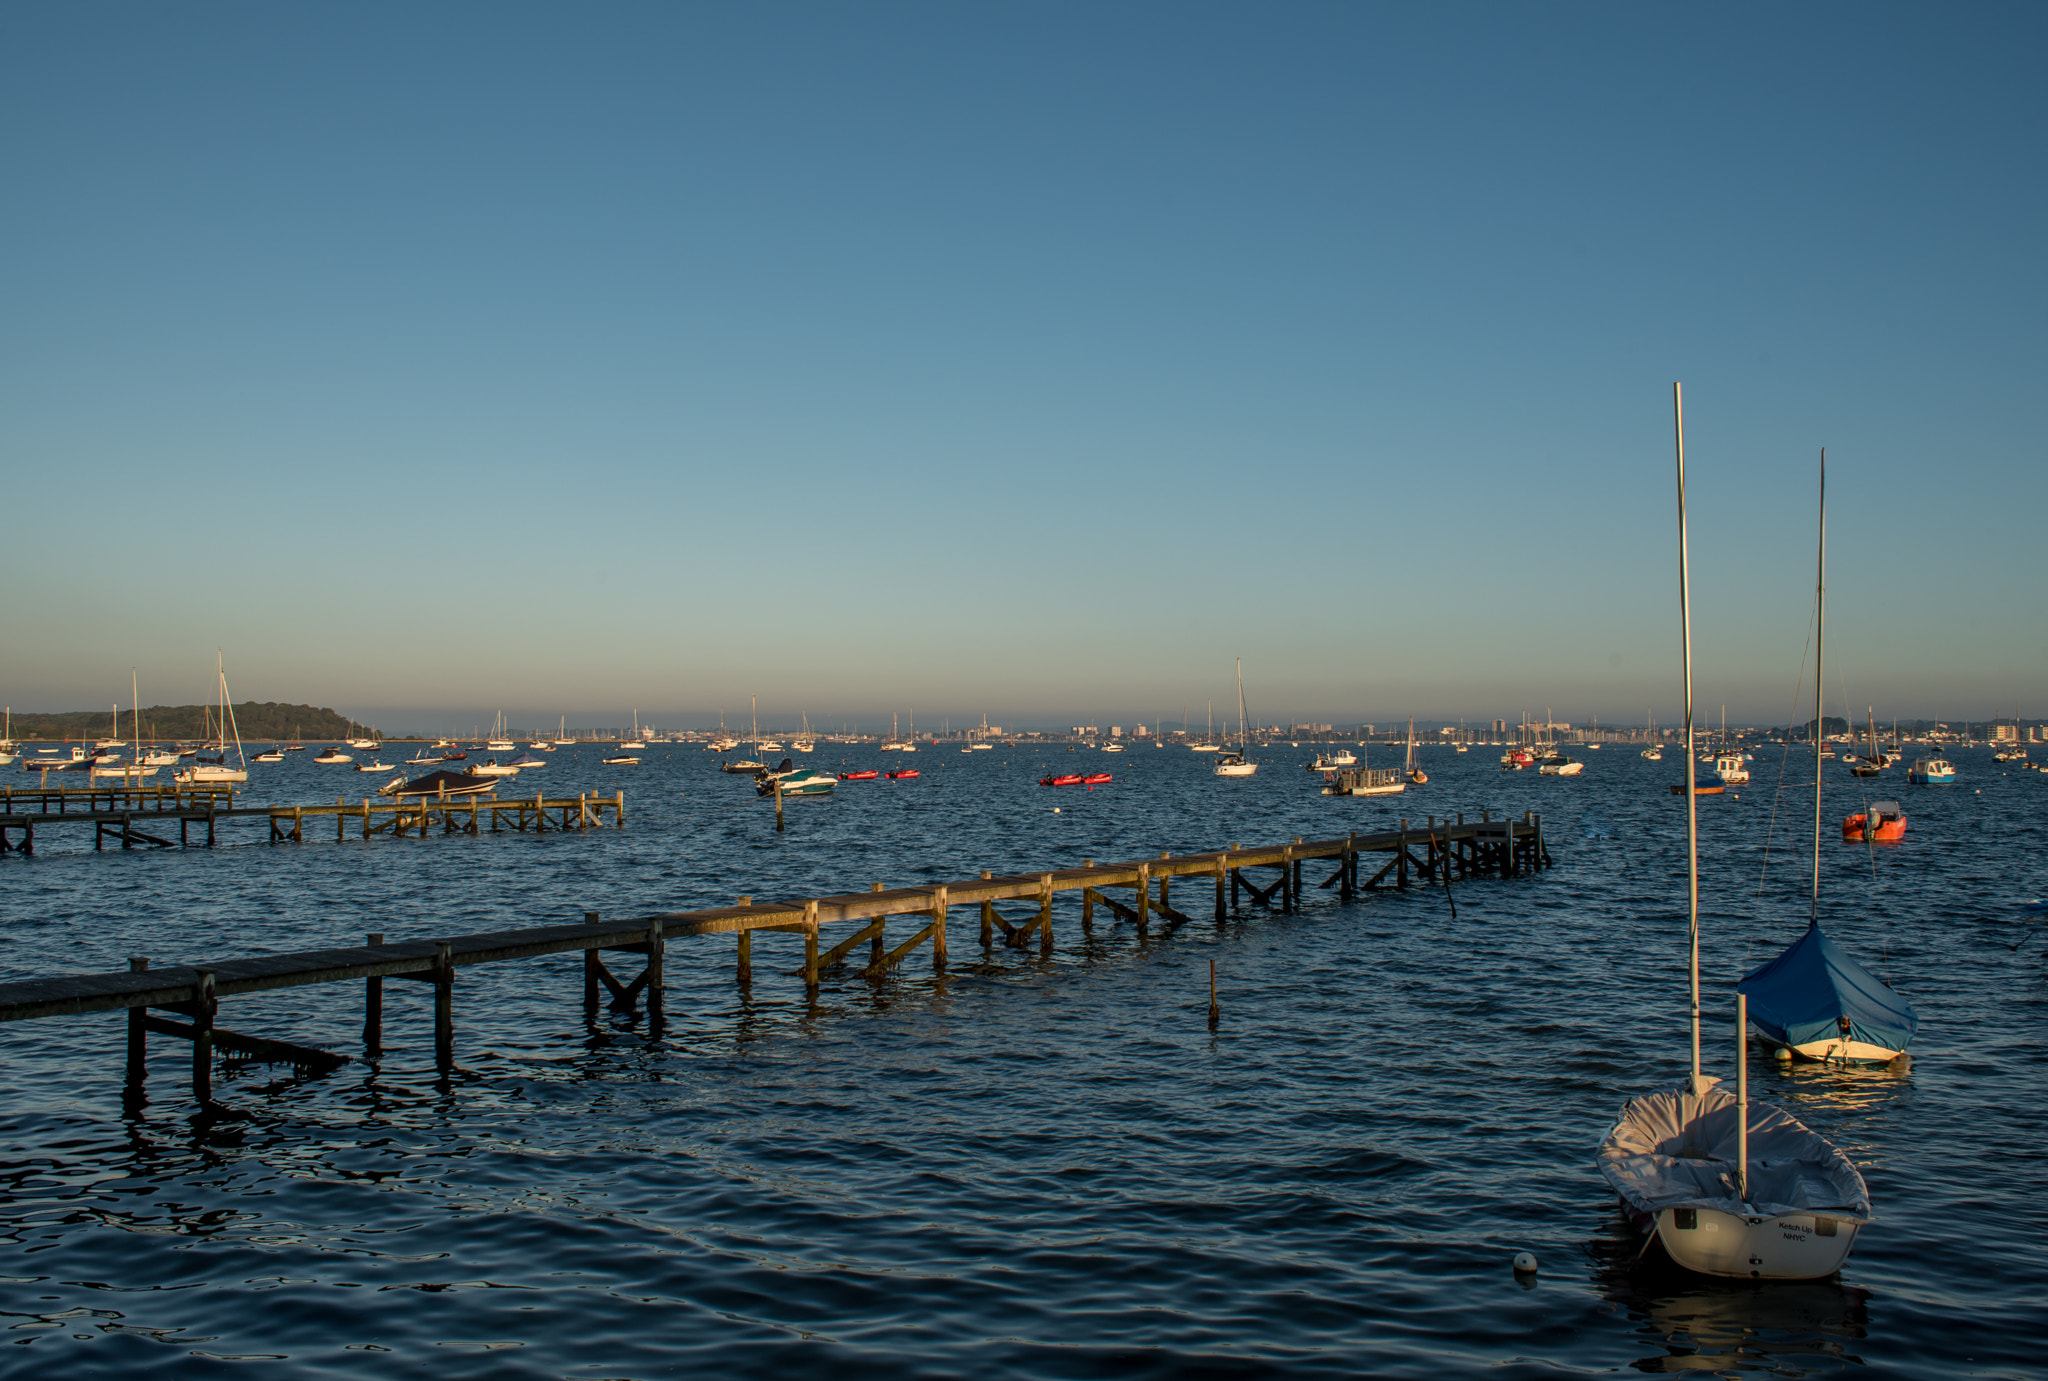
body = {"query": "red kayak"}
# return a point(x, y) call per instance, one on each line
point(1096, 779)
point(1066, 779)
point(901, 773)
point(866, 776)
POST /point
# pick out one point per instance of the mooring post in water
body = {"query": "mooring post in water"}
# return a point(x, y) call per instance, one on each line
point(988, 918)
point(1401, 856)
point(1045, 914)
point(1294, 875)
point(745, 970)
point(619, 804)
point(939, 930)
point(591, 961)
point(340, 820)
point(203, 1008)
point(778, 805)
point(1221, 869)
point(1087, 903)
point(1144, 898)
point(373, 1007)
point(1164, 879)
point(138, 1031)
point(444, 1003)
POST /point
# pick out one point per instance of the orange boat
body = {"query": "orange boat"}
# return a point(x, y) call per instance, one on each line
point(902, 773)
point(1883, 823)
point(1715, 790)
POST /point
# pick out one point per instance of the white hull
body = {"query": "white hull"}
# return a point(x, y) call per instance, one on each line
point(119, 772)
point(1395, 790)
point(1207, 748)
point(490, 769)
point(1788, 1246)
point(200, 776)
point(1237, 769)
point(1568, 769)
point(1835, 1048)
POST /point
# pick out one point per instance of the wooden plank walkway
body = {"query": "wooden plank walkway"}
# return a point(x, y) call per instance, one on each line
point(1442, 851)
point(129, 816)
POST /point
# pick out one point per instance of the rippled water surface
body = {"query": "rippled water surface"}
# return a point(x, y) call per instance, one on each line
point(1027, 1166)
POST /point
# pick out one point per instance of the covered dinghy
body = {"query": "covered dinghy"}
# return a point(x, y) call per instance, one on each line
point(1677, 1149)
point(1818, 1002)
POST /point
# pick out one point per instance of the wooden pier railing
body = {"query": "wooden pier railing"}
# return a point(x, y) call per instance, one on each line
point(1445, 850)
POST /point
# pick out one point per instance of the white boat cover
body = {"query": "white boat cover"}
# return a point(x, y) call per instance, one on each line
point(1672, 1149)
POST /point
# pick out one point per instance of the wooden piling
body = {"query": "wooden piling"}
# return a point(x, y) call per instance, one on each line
point(1221, 869)
point(138, 1031)
point(988, 919)
point(778, 805)
point(657, 948)
point(444, 1004)
point(1087, 902)
point(1144, 898)
point(373, 1007)
point(1215, 1013)
point(1165, 879)
point(1044, 913)
point(203, 1009)
point(592, 961)
point(811, 947)
point(939, 931)
point(1401, 856)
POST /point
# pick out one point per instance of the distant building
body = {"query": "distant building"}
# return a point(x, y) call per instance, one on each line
point(1500, 726)
point(1116, 731)
point(2002, 733)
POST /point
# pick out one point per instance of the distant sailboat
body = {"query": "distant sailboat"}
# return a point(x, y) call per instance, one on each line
point(1238, 764)
point(208, 773)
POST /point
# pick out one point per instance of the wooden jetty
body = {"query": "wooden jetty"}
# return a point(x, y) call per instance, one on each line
point(129, 815)
point(1437, 854)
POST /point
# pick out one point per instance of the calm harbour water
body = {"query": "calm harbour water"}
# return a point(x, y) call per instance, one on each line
point(1027, 1167)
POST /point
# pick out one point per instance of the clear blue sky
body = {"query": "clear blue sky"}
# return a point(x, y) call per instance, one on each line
point(1035, 360)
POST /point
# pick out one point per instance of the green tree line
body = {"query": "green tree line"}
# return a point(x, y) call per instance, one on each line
point(255, 720)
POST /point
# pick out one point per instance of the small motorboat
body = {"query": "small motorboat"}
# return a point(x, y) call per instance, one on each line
point(801, 783)
point(527, 760)
point(335, 755)
point(1883, 823)
point(120, 770)
point(274, 755)
point(440, 784)
point(1931, 772)
point(1112, 748)
point(901, 773)
point(866, 774)
point(424, 760)
point(457, 756)
point(1061, 779)
point(619, 760)
point(491, 767)
point(746, 765)
point(1678, 789)
point(207, 773)
point(1728, 767)
point(1096, 779)
point(1654, 754)
point(1558, 765)
point(1331, 763)
point(1516, 759)
point(372, 766)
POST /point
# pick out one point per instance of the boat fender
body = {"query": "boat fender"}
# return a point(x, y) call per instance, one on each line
point(1783, 1052)
point(1525, 1264)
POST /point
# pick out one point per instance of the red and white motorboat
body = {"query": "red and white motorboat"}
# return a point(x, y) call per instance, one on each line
point(1883, 823)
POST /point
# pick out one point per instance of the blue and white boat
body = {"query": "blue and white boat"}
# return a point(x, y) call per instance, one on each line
point(1816, 1002)
point(1930, 772)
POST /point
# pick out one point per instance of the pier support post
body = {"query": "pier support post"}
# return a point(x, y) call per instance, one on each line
point(591, 960)
point(340, 820)
point(373, 1007)
point(1144, 898)
point(988, 919)
point(366, 817)
point(138, 1033)
point(1220, 871)
point(1045, 914)
point(657, 950)
point(1087, 903)
point(444, 1003)
point(778, 803)
point(1165, 880)
point(811, 948)
point(619, 805)
point(203, 1009)
point(743, 972)
point(1294, 874)
point(939, 932)
point(1401, 856)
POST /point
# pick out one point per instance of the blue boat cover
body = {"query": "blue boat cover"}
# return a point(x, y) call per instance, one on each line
point(1809, 991)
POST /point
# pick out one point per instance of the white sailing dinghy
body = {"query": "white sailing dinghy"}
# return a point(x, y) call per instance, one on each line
point(1729, 1187)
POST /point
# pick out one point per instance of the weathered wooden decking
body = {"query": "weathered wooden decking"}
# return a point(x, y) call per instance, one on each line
point(1442, 851)
point(129, 815)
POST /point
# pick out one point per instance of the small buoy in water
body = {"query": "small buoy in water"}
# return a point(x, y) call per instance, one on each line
point(1783, 1052)
point(1055, 810)
point(1525, 1264)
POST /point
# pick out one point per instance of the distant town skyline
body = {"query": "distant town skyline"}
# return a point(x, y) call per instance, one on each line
point(1037, 362)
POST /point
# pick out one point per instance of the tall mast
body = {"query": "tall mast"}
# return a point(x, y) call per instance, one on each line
point(1820, 632)
point(1692, 816)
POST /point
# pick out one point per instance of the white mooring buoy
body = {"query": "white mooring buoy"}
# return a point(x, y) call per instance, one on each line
point(1525, 1264)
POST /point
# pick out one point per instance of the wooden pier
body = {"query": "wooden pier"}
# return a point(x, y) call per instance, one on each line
point(1138, 893)
point(129, 816)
